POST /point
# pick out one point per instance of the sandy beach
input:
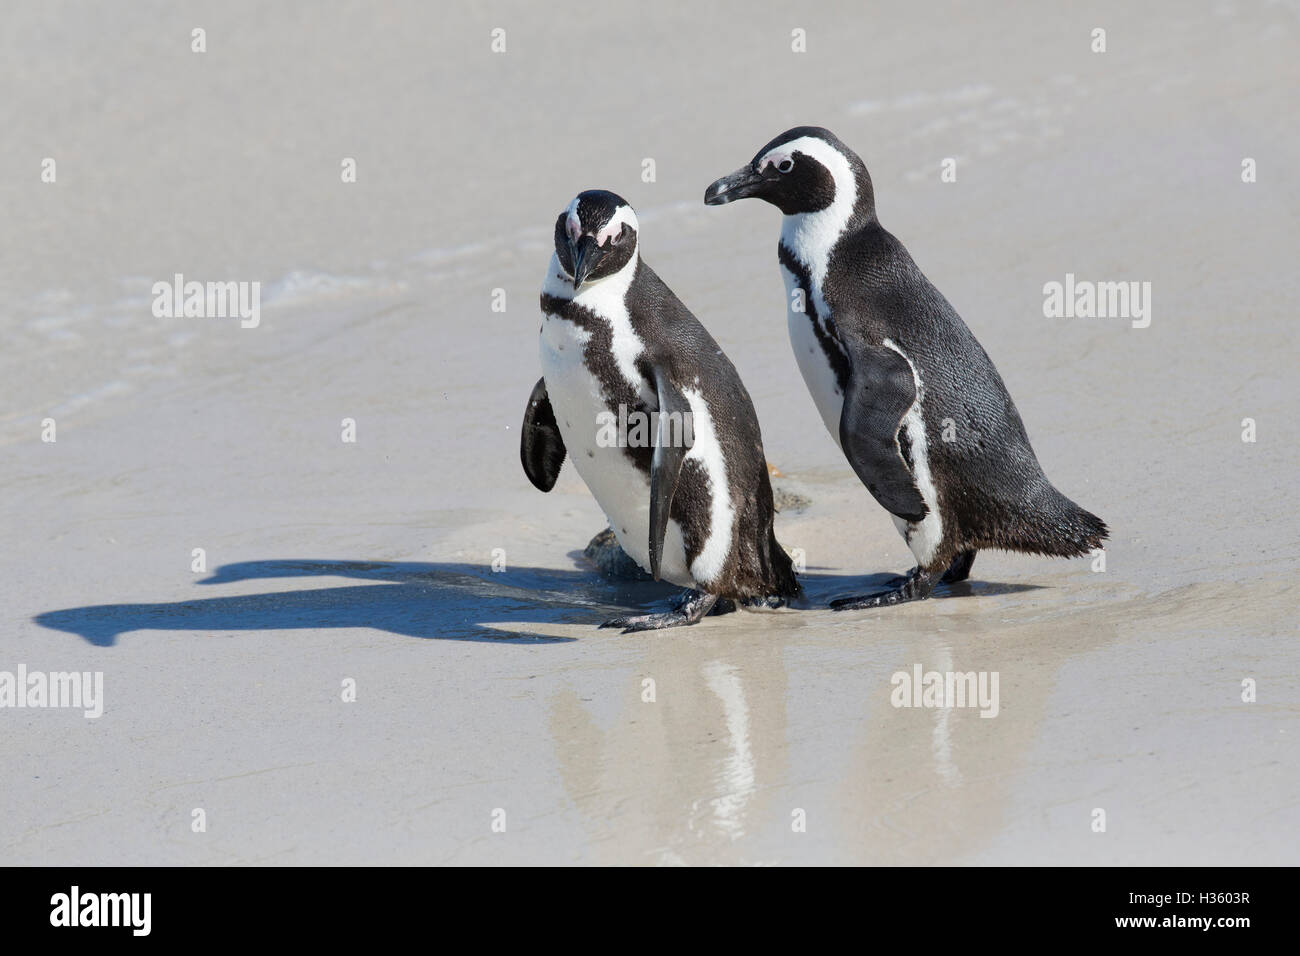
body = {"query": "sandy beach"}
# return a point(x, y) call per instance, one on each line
point(342, 677)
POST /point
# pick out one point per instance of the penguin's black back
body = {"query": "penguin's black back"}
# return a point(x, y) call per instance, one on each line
point(988, 478)
point(676, 340)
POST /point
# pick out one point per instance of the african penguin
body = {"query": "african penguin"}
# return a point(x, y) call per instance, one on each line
point(687, 493)
point(888, 361)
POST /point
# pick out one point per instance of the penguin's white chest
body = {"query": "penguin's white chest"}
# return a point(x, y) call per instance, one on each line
point(619, 487)
point(815, 367)
point(922, 538)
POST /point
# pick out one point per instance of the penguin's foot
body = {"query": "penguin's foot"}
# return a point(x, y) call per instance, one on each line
point(915, 586)
point(691, 607)
point(959, 570)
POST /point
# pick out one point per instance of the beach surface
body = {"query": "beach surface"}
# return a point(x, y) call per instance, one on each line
point(386, 651)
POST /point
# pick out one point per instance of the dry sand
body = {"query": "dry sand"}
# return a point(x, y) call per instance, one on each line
point(371, 561)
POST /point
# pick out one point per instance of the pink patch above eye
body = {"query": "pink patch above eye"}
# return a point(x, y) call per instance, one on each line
point(773, 159)
point(574, 227)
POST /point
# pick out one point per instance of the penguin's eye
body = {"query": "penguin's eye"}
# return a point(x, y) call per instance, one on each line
point(785, 165)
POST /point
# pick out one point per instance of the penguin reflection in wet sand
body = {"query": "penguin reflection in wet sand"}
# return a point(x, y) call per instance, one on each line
point(688, 497)
point(894, 371)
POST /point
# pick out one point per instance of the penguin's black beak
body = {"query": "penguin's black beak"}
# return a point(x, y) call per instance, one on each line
point(585, 255)
point(741, 184)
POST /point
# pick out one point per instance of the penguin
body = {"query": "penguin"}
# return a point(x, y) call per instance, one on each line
point(655, 419)
point(906, 391)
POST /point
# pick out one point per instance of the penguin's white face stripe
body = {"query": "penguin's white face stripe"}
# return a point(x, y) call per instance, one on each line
point(923, 538)
point(812, 235)
point(572, 224)
point(623, 214)
point(775, 157)
point(707, 450)
point(611, 229)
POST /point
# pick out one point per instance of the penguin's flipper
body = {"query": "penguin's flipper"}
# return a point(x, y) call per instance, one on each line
point(541, 447)
point(666, 465)
point(879, 393)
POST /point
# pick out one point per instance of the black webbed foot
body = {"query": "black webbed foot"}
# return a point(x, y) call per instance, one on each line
point(690, 608)
point(915, 586)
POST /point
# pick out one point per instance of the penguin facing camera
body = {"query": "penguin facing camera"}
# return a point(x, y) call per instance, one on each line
point(693, 504)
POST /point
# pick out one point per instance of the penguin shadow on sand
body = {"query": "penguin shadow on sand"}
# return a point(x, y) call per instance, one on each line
point(461, 602)
point(820, 589)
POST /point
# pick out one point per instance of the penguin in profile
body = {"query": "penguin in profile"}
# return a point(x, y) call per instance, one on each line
point(684, 482)
point(906, 391)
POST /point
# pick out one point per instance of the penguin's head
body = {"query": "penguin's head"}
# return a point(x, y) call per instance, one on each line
point(804, 170)
point(595, 237)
